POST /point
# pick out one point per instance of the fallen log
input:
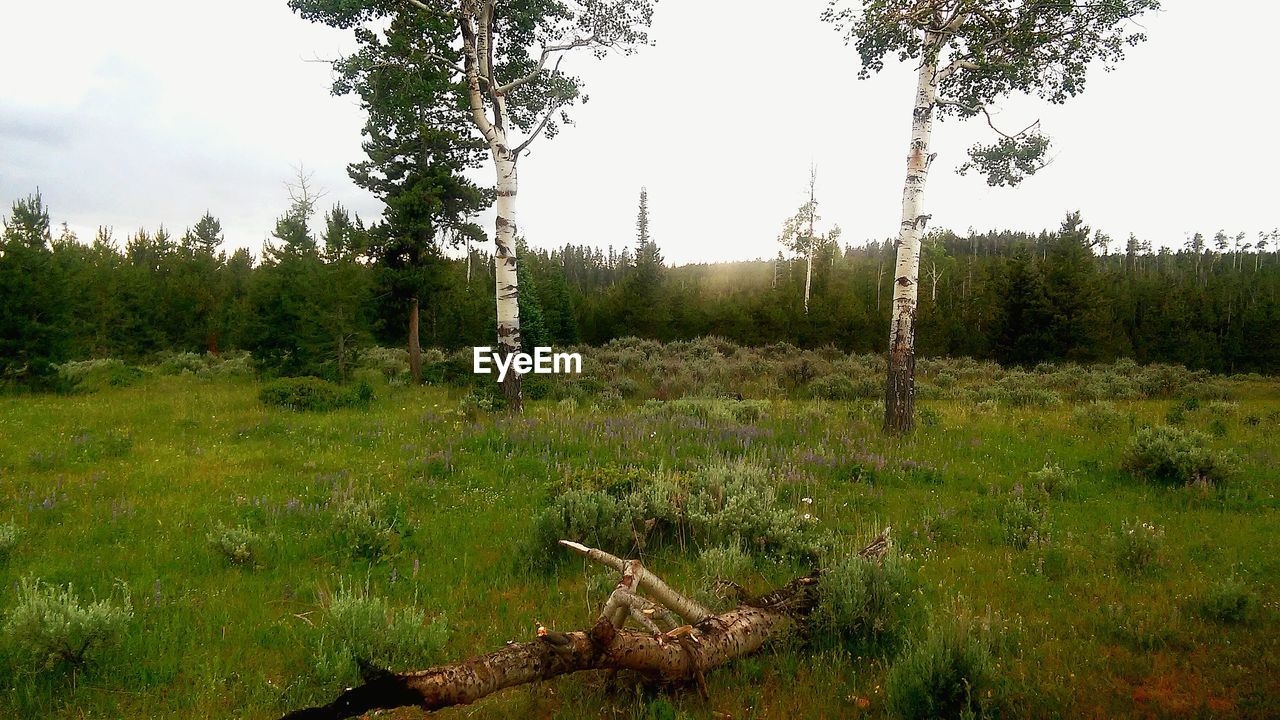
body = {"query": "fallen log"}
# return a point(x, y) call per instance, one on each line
point(671, 655)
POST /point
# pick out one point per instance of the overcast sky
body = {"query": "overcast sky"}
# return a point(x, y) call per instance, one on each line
point(142, 112)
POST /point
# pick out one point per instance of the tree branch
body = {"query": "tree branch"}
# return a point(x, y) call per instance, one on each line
point(990, 122)
point(546, 118)
point(547, 52)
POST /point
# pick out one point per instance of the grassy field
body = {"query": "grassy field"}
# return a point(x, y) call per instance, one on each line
point(220, 523)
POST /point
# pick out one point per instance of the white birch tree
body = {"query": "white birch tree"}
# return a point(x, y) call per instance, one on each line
point(504, 62)
point(968, 55)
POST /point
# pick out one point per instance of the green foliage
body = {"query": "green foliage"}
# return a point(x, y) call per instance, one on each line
point(842, 387)
point(236, 545)
point(313, 394)
point(94, 375)
point(1099, 417)
point(1024, 517)
point(48, 627)
point(363, 630)
point(365, 522)
point(1174, 456)
point(864, 606)
point(710, 409)
point(1052, 481)
point(726, 503)
point(948, 672)
point(10, 535)
point(1138, 546)
point(1228, 600)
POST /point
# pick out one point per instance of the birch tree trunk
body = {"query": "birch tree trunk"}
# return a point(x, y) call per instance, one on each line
point(808, 279)
point(477, 48)
point(507, 284)
point(900, 390)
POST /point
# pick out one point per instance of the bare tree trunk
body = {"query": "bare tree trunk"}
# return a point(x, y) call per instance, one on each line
point(900, 386)
point(415, 348)
point(468, 261)
point(813, 209)
point(674, 654)
point(808, 280)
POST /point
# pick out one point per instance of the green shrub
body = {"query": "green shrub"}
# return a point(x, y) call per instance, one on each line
point(237, 545)
point(865, 606)
point(710, 409)
point(365, 522)
point(1052, 480)
point(95, 375)
point(390, 364)
point(481, 401)
point(950, 672)
point(840, 386)
point(1024, 517)
point(725, 562)
point(1138, 545)
point(10, 534)
point(1229, 601)
point(722, 504)
point(1174, 456)
point(49, 628)
point(313, 394)
point(361, 629)
point(1098, 416)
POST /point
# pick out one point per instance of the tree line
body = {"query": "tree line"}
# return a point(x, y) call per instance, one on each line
point(325, 288)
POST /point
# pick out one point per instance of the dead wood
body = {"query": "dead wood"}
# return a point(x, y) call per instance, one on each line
point(677, 655)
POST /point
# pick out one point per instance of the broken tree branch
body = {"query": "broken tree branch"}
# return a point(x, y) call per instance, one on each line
point(682, 654)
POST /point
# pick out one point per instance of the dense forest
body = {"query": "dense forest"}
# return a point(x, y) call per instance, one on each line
point(321, 292)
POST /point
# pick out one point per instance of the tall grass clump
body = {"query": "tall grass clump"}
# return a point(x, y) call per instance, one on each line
point(49, 627)
point(1024, 517)
point(1139, 546)
point(1175, 456)
point(865, 607)
point(1228, 601)
point(10, 534)
point(363, 630)
point(948, 672)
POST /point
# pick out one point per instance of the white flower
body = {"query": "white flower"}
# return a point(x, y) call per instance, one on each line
point(807, 500)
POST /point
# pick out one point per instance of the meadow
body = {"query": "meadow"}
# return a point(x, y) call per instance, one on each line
point(1099, 541)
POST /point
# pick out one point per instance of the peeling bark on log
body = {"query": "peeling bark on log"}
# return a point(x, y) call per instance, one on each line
point(682, 654)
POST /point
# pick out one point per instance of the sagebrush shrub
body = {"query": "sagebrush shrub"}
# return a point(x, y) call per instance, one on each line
point(236, 545)
point(724, 562)
point(1228, 601)
point(50, 628)
point(1139, 546)
point(1098, 416)
point(364, 521)
point(361, 629)
point(1024, 517)
point(731, 503)
point(95, 375)
point(1052, 480)
point(949, 672)
point(10, 534)
point(864, 606)
point(1174, 456)
point(313, 394)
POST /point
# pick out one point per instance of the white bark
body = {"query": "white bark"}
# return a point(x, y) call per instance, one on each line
point(899, 394)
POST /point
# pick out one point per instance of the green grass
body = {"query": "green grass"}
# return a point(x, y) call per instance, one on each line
point(125, 486)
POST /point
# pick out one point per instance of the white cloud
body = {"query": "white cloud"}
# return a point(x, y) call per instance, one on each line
point(141, 112)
